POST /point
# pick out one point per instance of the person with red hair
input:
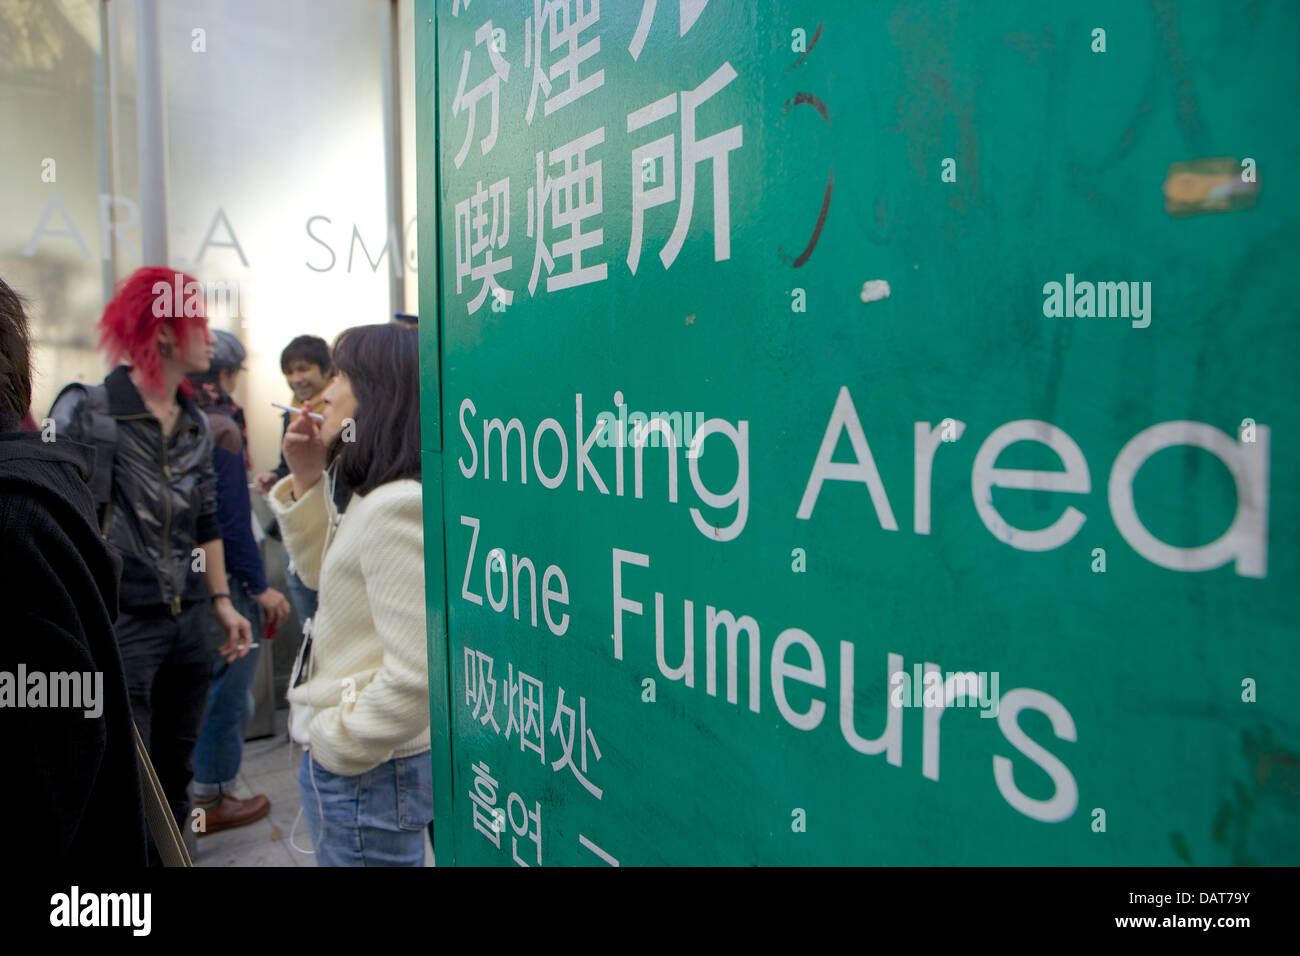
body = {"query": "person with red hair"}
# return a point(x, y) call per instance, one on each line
point(155, 490)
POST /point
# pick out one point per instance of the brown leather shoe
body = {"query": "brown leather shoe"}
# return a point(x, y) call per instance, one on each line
point(229, 812)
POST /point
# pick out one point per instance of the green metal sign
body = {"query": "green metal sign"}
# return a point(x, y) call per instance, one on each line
point(856, 433)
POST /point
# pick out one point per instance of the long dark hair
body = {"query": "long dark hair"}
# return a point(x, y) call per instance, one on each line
point(382, 363)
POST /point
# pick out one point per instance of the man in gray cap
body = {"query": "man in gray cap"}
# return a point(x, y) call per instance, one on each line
point(221, 741)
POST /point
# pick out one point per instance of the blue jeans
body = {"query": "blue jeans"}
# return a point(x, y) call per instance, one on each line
point(375, 819)
point(301, 597)
point(230, 703)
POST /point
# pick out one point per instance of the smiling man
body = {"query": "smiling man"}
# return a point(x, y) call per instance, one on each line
point(308, 369)
point(306, 365)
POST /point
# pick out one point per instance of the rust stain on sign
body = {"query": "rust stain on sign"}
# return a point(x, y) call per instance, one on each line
point(1210, 185)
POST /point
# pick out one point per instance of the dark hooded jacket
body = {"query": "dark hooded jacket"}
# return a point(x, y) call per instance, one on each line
point(72, 792)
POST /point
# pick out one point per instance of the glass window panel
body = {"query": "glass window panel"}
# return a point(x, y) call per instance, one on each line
point(276, 172)
point(51, 175)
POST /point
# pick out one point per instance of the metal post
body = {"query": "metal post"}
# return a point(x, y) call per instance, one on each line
point(104, 140)
point(393, 159)
point(152, 133)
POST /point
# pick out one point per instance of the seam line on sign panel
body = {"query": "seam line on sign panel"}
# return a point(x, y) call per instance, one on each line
point(445, 849)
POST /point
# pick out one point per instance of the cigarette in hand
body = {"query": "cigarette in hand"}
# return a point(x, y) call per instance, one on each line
point(298, 411)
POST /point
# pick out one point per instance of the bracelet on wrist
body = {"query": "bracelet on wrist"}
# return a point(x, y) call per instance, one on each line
point(216, 597)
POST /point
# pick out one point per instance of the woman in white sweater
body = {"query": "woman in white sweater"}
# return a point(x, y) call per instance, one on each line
point(363, 710)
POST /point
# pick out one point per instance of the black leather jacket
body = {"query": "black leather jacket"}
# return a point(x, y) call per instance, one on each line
point(163, 502)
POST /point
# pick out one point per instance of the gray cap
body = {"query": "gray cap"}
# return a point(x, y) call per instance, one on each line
point(227, 352)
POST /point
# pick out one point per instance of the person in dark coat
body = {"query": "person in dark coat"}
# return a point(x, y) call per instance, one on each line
point(72, 795)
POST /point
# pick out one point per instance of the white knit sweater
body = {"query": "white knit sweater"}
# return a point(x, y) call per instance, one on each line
point(367, 693)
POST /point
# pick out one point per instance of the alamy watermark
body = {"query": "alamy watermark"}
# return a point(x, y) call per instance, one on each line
point(77, 690)
point(128, 910)
point(624, 429)
point(935, 688)
point(191, 299)
point(1103, 300)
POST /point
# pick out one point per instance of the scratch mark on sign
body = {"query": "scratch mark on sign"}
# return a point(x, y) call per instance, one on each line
point(811, 100)
point(1188, 107)
point(811, 43)
point(1030, 46)
point(816, 103)
point(821, 220)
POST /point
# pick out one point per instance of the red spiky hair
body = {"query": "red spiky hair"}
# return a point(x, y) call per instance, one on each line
point(130, 324)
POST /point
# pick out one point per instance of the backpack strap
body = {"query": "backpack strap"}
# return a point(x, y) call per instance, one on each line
point(162, 825)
